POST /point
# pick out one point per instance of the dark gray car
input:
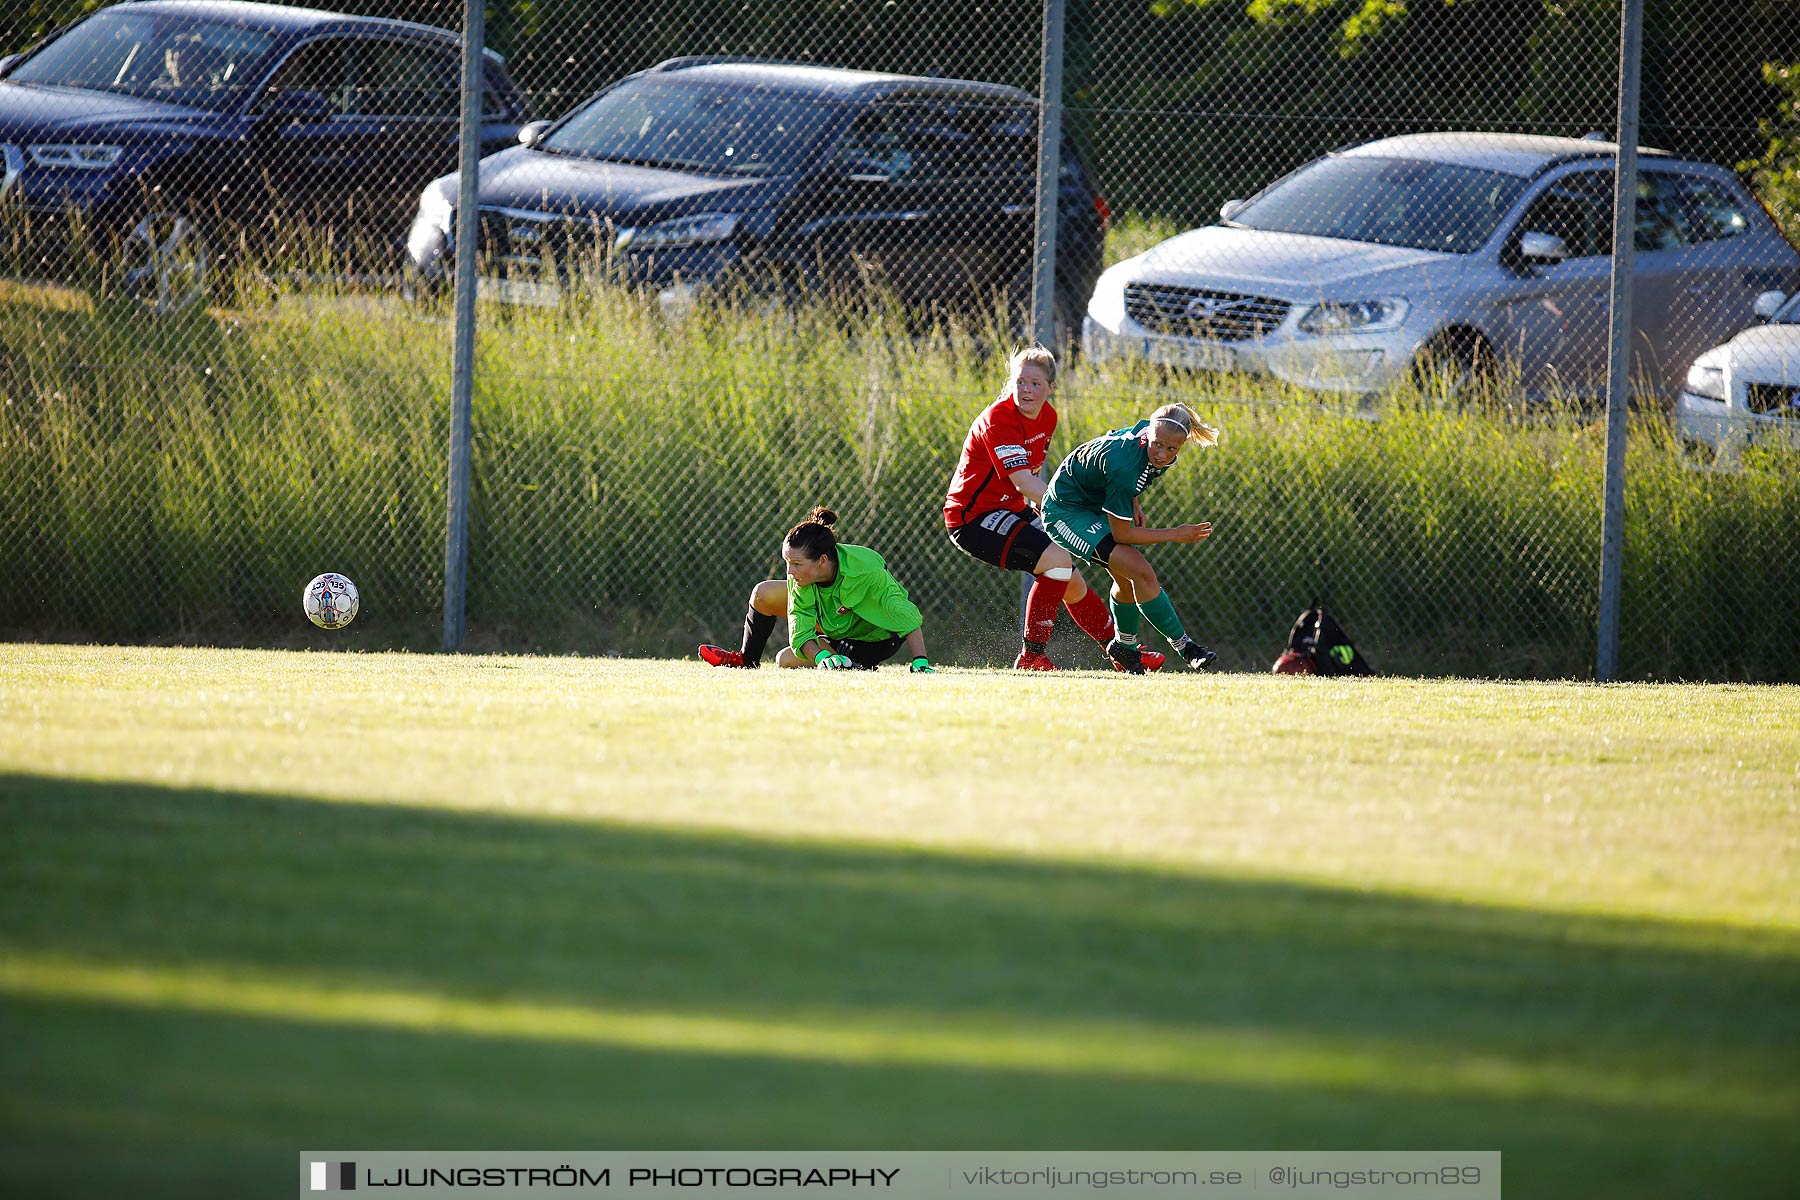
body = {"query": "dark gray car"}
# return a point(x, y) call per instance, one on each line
point(704, 171)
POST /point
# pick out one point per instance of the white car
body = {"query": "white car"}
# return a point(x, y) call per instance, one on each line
point(1746, 392)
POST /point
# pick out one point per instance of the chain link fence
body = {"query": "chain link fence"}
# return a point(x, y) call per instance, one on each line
point(738, 260)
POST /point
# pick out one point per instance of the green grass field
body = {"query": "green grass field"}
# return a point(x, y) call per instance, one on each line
point(253, 902)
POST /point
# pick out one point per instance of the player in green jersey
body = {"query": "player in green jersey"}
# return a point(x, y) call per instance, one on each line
point(1091, 510)
point(844, 609)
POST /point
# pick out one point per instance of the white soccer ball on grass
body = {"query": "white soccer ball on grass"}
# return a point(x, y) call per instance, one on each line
point(330, 601)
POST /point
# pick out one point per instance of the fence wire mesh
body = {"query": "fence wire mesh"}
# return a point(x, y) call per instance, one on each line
point(741, 259)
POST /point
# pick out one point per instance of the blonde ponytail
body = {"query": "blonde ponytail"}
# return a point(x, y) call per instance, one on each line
point(1184, 418)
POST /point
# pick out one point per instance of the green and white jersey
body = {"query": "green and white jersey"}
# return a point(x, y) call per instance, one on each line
point(1105, 475)
point(863, 604)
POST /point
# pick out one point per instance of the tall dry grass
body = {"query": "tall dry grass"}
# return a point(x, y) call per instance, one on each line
point(180, 480)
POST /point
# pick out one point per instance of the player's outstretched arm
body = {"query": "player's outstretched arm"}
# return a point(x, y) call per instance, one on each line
point(1127, 534)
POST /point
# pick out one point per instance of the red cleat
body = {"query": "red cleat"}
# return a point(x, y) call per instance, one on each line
point(1028, 661)
point(719, 656)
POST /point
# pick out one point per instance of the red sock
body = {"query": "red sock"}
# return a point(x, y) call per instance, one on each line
point(1091, 614)
point(1040, 607)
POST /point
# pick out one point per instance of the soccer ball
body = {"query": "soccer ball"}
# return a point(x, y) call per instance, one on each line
point(330, 601)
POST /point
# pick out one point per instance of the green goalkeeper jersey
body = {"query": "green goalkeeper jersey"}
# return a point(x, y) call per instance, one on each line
point(863, 604)
point(1106, 474)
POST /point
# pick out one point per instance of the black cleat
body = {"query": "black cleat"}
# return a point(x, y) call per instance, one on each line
point(1198, 657)
point(1126, 656)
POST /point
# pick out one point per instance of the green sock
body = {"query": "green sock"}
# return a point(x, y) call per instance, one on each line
point(1162, 615)
point(1125, 618)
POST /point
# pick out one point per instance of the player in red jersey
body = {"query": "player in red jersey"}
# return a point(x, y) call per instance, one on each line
point(989, 514)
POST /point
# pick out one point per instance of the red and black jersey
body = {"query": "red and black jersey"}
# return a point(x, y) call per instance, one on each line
point(1000, 442)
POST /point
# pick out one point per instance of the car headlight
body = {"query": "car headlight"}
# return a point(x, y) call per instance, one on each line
point(1707, 382)
point(437, 204)
point(75, 157)
point(1107, 305)
point(701, 229)
point(1354, 316)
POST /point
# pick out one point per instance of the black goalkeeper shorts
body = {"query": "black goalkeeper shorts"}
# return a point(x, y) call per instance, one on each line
point(866, 655)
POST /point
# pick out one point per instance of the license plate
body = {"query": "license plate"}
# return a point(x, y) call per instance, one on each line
point(520, 291)
point(1197, 356)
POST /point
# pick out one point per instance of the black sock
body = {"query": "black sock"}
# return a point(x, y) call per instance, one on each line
point(757, 628)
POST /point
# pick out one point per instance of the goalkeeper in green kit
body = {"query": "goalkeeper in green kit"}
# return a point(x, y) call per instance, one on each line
point(1092, 511)
point(844, 610)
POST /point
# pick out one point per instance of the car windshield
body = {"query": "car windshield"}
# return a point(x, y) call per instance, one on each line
point(690, 126)
point(1389, 201)
point(158, 56)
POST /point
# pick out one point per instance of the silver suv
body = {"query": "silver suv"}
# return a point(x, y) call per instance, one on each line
point(1452, 251)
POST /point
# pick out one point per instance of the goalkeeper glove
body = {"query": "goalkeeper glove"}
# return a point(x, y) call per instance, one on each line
point(831, 661)
point(922, 666)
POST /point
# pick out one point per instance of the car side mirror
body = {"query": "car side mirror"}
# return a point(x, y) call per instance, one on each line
point(1768, 304)
point(1231, 208)
point(298, 104)
point(1542, 249)
point(531, 133)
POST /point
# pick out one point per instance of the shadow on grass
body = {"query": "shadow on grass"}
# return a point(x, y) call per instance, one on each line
point(200, 982)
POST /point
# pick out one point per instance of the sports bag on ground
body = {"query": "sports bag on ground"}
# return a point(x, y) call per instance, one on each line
point(1318, 645)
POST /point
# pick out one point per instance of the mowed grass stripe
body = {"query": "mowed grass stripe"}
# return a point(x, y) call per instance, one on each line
point(1677, 802)
point(1236, 1056)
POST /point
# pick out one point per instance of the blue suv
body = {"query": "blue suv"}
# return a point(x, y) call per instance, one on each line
point(160, 131)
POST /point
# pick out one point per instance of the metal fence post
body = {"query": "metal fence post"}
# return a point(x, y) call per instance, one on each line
point(462, 368)
point(1618, 392)
point(1049, 169)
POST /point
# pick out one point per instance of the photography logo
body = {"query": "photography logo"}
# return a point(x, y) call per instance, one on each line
point(333, 1177)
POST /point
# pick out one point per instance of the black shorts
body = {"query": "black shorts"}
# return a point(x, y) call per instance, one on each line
point(1012, 541)
point(866, 655)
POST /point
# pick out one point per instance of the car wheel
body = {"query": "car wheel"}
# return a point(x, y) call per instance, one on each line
point(163, 264)
point(762, 289)
point(416, 289)
point(1699, 456)
point(1700, 453)
point(1459, 365)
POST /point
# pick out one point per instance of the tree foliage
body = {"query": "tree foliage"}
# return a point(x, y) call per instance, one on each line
point(1181, 104)
point(1775, 174)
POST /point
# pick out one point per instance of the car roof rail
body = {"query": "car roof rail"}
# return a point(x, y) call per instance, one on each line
point(882, 78)
point(1563, 160)
point(685, 61)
